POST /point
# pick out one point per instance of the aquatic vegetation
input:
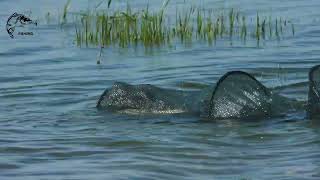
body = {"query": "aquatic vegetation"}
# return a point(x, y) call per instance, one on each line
point(125, 28)
point(65, 11)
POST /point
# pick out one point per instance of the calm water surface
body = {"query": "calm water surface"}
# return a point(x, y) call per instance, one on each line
point(50, 128)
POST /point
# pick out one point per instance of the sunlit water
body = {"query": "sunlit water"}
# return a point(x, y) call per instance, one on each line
point(50, 128)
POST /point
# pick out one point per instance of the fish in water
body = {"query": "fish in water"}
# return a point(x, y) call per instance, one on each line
point(237, 95)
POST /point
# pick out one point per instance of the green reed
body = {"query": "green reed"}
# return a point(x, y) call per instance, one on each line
point(199, 23)
point(258, 33)
point(263, 29)
point(243, 32)
point(276, 30)
point(65, 11)
point(270, 27)
point(231, 21)
point(126, 28)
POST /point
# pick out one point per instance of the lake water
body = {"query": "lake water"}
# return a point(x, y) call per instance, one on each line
point(50, 128)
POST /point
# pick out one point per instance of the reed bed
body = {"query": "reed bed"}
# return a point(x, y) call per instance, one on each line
point(126, 28)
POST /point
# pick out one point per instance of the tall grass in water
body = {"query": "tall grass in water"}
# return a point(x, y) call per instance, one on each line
point(126, 28)
point(65, 11)
point(231, 21)
point(258, 34)
point(243, 32)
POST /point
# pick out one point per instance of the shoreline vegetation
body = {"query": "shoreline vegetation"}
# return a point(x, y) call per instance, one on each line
point(126, 28)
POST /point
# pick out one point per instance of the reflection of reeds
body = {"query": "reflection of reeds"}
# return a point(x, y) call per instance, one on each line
point(127, 28)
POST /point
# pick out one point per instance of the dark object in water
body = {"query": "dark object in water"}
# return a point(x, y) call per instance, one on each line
point(145, 98)
point(314, 92)
point(237, 95)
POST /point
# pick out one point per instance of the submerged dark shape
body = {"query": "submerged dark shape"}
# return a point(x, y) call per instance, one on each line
point(314, 92)
point(236, 95)
point(239, 95)
point(145, 98)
